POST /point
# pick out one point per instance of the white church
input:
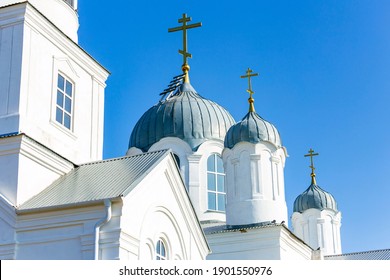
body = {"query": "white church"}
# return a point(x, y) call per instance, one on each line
point(193, 185)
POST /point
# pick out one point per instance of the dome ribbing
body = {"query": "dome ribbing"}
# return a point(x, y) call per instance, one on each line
point(185, 115)
point(314, 197)
point(254, 129)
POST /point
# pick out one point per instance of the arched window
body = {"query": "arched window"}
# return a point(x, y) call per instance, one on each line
point(161, 252)
point(215, 183)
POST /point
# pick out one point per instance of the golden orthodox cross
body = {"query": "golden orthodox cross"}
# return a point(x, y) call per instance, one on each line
point(311, 154)
point(249, 90)
point(184, 28)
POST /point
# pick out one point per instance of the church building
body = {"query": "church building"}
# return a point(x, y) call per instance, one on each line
point(194, 183)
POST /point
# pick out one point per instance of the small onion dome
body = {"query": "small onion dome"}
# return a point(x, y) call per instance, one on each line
point(185, 115)
point(254, 129)
point(314, 197)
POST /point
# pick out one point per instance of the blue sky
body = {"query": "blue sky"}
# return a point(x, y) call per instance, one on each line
point(324, 83)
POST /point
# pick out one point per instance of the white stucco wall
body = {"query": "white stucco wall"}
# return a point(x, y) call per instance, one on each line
point(33, 51)
point(319, 229)
point(265, 243)
point(255, 183)
point(7, 232)
point(58, 235)
point(159, 208)
point(193, 167)
point(62, 15)
point(27, 168)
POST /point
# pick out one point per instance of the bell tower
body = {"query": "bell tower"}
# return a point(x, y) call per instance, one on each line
point(51, 96)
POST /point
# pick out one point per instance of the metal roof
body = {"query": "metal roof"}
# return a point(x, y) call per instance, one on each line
point(383, 254)
point(314, 197)
point(253, 129)
point(185, 115)
point(96, 181)
point(9, 134)
point(214, 228)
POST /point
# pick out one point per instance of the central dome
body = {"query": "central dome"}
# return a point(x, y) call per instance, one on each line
point(185, 115)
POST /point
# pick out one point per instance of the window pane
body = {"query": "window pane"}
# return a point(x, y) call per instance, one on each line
point(221, 183)
point(60, 82)
point(67, 120)
point(69, 88)
point(158, 247)
point(221, 202)
point(219, 164)
point(211, 201)
point(60, 99)
point(211, 163)
point(162, 249)
point(211, 182)
point(68, 105)
point(59, 115)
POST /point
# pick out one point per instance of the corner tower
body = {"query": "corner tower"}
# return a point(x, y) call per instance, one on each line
point(316, 218)
point(254, 160)
point(51, 96)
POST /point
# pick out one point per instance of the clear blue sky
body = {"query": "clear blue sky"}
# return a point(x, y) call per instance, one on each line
point(324, 83)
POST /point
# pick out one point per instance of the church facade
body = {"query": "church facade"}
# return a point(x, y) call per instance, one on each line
point(194, 183)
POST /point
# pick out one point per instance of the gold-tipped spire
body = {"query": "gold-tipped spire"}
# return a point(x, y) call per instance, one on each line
point(311, 154)
point(185, 67)
point(249, 90)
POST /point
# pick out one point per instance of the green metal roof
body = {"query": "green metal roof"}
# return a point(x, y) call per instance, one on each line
point(96, 181)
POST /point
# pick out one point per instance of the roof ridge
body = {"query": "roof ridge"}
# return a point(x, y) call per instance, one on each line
point(122, 157)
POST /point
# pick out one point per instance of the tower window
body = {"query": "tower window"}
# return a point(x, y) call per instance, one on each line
point(216, 194)
point(64, 104)
point(161, 252)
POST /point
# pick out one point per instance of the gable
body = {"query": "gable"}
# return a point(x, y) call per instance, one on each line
point(95, 181)
point(159, 208)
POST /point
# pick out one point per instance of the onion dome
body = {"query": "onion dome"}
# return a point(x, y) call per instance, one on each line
point(186, 115)
point(182, 112)
point(254, 129)
point(314, 197)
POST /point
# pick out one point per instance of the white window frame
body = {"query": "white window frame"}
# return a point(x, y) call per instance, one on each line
point(216, 192)
point(62, 65)
point(64, 105)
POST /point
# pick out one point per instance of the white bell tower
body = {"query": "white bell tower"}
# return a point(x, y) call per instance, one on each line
point(51, 96)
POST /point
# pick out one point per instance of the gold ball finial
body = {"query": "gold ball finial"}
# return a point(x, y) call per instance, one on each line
point(251, 100)
point(185, 67)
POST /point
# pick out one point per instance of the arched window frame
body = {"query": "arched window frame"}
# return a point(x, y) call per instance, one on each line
point(161, 251)
point(216, 194)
